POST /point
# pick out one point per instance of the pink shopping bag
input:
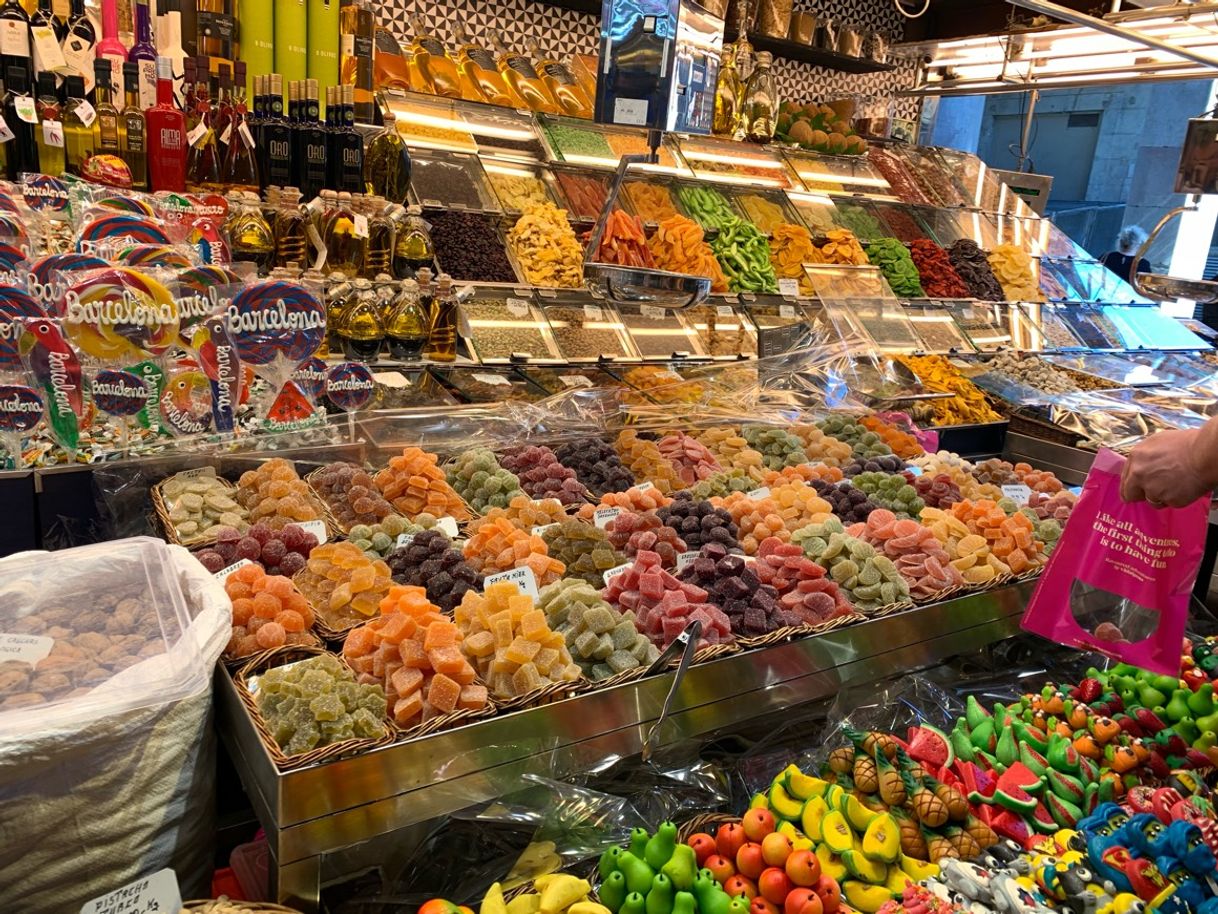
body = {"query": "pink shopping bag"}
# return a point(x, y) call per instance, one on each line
point(1120, 578)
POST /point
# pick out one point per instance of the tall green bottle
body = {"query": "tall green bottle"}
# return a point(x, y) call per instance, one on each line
point(257, 39)
point(323, 41)
point(291, 39)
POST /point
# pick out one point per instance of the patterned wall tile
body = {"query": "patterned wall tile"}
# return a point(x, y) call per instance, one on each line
point(564, 32)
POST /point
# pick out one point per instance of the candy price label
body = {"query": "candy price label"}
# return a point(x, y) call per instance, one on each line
point(349, 386)
point(574, 380)
point(155, 894)
point(447, 526)
point(603, 516)
point(685, 558)
point(540, 531)
point(518, 307)
point(593, 313)
point(652, 313)
point(20, 408)
point(758, 494)
point(26, 648)
point(789, 287)
point(316, 527)
point(521, 577)
point(119, 393)
point(497, 380)
point(223, 573)
point(404, 539)
point(786, 311)
point(645, 486)
point(1017, 493)
point(724, 311)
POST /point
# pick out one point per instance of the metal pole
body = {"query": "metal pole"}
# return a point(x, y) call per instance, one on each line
point(1065, 14)
point(1033, 98)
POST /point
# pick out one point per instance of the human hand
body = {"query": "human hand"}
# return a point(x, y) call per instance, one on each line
point(1164, 470)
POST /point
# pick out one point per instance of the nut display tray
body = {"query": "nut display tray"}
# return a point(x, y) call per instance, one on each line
point(586, 328)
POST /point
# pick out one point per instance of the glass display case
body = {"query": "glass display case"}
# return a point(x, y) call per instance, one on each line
point(765, 209)
point(983, 323)
point(882, 320)
point(1146, 327)
point(651, 199)
point(403, 388)
point(723, 328)
point(569, 377)
point(1023, 320)
point(931, 175)
point(902, 221)
point(517, 185)
point(1092, 328)
point(585, 192)
point(973, 179)
point(1115, 368)
point(1054, 328)
point(452, 180)
point(585, 328)
point(489, 384)
point(770, 311)
point(861, 218)
point(816, 210)
point(713, 159)
point(428, 122)
point(504, 324)
point(660, 332)
point(844, 175)
point(579, 142)
point(936, 328)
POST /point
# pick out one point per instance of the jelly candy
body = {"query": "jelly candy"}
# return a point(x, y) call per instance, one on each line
point(699, 522)
point(541, 475)
point(603, 640)
point(276, 495)
point(343, 584)
point(430, 561)
point(317, 702)
point(350, 494)
point(629, 533)
point(414, 485)
point(499, 545)
point(664, 606)
point(596, 464)
point(268, 611)
point(477, 477)
point(583, 548)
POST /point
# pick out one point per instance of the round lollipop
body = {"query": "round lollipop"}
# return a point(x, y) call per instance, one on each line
point(185, 404)
point(140, 229)
point(45, 193)
point(125, 205)
point(20, 410)
point(310, 377)
point(153, 255)
point(15, 304)
point(349, 386)
point(42, 280)
point(119, 393)
point(276, 321)
point(12, 227)
point(120, 315)
point(8, 204)
point(11, 257)
point(193, 293)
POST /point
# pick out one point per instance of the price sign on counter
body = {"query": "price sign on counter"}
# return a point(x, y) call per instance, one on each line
point(155, 894)
point(26, 648)
point(603, 516)
point(447, 526)
point(790, 288)
point(521, 577)
point(614, 572)
point(1017, 493)
point(316, 527)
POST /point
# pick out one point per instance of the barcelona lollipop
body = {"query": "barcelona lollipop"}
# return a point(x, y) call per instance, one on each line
point(193, 291)
point(21, 410)
point(127, 226)
point(15, 306)
point(120, 315)
point(276, 325)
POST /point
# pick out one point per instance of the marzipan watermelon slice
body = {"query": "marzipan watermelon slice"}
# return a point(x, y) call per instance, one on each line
point(1011, 826)
point(1015, 788)
point(930, 746)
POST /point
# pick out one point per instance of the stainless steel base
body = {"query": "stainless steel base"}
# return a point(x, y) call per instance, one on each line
point(1069, 464)
point(319, 810)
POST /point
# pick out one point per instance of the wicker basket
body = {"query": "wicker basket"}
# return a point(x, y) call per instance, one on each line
point(223, 905)
point(1022, 424)
point(617, 679)
point(235, 663)
point(707, 822)
point(546, 695)
point(161, 509)
point(278, 657)
point(711, 652)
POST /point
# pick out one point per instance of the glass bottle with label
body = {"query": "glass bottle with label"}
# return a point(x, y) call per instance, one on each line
point(291, 229)
point(78, 120)
point(520, 75)
point(442, 322)
point(561, 83)
point(46, 37)
point(45, 16)
point(360, 330)
point(761, 101)
point(249, 236)
point(346, 245)
point(437, 70)
point(78, 45)
point(479, 73)
point(203, 160)
point(49, 135)
point(222, 110)
point(166, 127)
point(727, 96)
point(14, 37)
point(132, 136)
point(21, 115)
point(338, 296)
point(172, 48)
point(105, 128)
point(379, 256)
point(406, 326)
point(387, 164)
point(240, 163)
point(110, 47)
point(413, 250)
point(143, 53)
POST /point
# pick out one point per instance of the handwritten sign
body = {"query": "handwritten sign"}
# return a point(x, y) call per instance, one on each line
point(521, 577)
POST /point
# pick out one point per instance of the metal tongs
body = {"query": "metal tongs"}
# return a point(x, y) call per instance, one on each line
point(687, 644)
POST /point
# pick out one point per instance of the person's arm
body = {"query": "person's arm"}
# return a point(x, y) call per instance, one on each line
point(1173, 468)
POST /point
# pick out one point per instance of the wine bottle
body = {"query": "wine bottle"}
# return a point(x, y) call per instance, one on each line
point(144, 53)
point(78, 116)
point(21, 115)
point(203, 157)
point(14, 37)
point(78, 45)
point(49, 135)
point(276, 143)
point(132, 133)
point(240, 162)
point(350, 145)
point(172, 48)
point(166, 127)
point(110, 47)
point(105, 127)
point(46, 39)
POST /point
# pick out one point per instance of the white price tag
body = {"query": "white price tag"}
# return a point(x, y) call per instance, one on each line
point(6, 132)
point(574, 380)
point(155, 894)
point(652, 313)
point(48, 55)
point(1017, 493)
point(788, 287)
point(447, 526)
point(246, 137)
point(518, 307)
point(758, 494)
point(686, 558)
point(223, 573)
point(521, 577)
point(25, 108)
point(316, 527)
point(724, 311)
point(631, 111)
point(540, 531)
point(914, 470)
point(26, 648)
point(197, 471)
point(614, 572)
point(603, 516)
point(361, 225)
point(497, 380)
point(197, 133)
point(645, 486)
point(786, 312)
point(228, 132)
point(403, 539)
point(87, 113)
point(593, 313)
point(52, 133)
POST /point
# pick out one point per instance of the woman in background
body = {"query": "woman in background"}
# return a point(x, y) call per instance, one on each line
point(1129, 241)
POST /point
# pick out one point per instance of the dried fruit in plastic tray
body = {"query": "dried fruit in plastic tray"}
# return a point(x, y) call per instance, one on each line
point(513, 647)
point(841, 247)
point(546, 247)
point(602, 639)
point(317, 702)
point(744, 254)
point(938, 276)
point(664, 606)
point(414, 653)
point(651, 202)
point(790, 248)
point(414, 485)
point(624, 242)
point(892, 257)
point(968, 405)
point(972, 266)
point(1014, 269)
point(679, 246)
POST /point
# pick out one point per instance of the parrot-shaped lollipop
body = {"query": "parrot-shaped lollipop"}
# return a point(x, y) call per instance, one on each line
point(55, 366)
point(222, 365)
